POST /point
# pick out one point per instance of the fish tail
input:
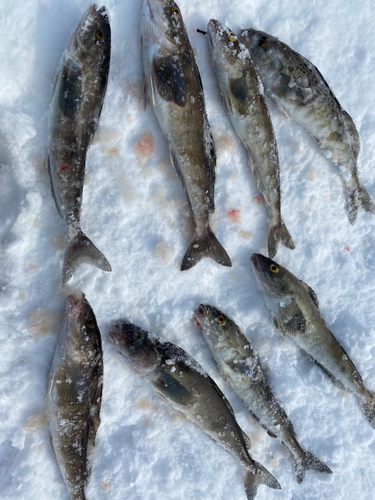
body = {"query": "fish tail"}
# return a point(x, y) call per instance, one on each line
point(310, 462)
point(81, 250)
point(253, 479)
point(368, 407)
point(365, 200)
point(205, 246)
point(358, 198)
point(278, 232)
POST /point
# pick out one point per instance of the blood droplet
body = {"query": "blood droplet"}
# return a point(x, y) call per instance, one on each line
point(64, 167)
point(197, 323)
point(258, 198)
point(347, 248)
point(234, 215)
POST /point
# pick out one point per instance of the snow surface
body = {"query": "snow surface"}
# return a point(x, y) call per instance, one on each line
point(135, 211)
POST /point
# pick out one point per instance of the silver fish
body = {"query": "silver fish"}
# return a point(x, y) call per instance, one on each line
point(77, 99)
point(238, 364)
point(74, 394)
point(295, 312)
point(183, 383)
point(243, 98)
point(300, 90)
point(174, 88)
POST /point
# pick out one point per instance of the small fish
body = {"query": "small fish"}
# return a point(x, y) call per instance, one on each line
point(238, 364)
point(243, 98)
point(183, 383)
point(174, 88)
point(295, 312)
point(300, 90)
point(74, 394)
point(77, 100)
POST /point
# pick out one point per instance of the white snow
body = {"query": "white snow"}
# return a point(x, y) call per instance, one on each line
point(135, 212)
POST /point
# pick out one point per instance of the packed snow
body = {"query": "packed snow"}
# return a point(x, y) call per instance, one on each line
point(135, 212)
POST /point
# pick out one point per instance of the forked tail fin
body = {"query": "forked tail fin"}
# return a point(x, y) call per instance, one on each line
point(277, 233)
point(206, 246)
point(356, 199)
point(253, 479)
point(310, 462)
point(367, 404)
point(81, 250)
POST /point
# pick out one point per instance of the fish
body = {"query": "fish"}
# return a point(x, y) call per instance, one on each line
point(77, 99)
point(300, 90)
point(238, 364)
point(74, 394)
point(173, 87)
point(182, 382)
point(244, 101)
point(295, 312)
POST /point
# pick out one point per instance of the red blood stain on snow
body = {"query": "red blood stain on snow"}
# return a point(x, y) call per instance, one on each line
point(347, 248)
point(144, 147)
point(64, 167)
point(234, 215)
point(258, 199)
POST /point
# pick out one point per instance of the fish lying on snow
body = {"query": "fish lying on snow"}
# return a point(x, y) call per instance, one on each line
point(174, 88)
point(182, 382)
point(301, 91)
point(77, 100)
point(74, 394)
point(295, 311)
point(244, 101)
point(238, 365)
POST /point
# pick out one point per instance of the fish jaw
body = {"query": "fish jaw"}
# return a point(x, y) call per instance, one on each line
point(212, 323)
point(155, 26)
point(225, 47)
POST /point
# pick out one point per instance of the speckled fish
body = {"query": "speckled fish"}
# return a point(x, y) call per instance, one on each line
point(174, 89)
point(183, 383)
point(295, 312)
point(77, 99)
point(74, 394)
point(238, 364)
point(245, 104)
point(300, 90)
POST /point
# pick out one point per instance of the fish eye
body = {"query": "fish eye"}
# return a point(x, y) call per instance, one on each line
point(99, 35)
point(137, 336)
point(176, 12)
point(274, 268)
point(90, 323)
point(232, 36)
point(262, 42)
point(221, 319)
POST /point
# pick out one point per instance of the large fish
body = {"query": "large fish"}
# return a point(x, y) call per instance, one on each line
point(174, 88)
point(300, 90)
point(77, 100)
point(244, 101)
point(183, 383)
point(238, 365)
point(74, 394)
point(295, 312)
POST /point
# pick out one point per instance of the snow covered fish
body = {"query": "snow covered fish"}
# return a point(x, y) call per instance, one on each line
point(244, 102)
point(77, 100)
point(238, 365)
point(74, 394)
point(174, 89)
point(295, 312)
point(183, 383)
point(300, 90)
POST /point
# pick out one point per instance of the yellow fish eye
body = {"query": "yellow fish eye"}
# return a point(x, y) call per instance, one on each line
point(90, 323)
point(262, 42)
point(99, 35)
point(274, 268)
point(137, 336)
point(221, 319)
point(232, 36)
point(176, 12)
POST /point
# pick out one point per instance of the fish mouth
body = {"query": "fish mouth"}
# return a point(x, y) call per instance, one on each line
point(200, 314)
point(256, 262)
point(119, 335)
point(74, 303)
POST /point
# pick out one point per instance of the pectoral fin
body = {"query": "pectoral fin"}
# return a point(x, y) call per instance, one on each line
point(169, 79)
point(70, 95)
point(291, 319)
point(240, 92)
point(171, 389)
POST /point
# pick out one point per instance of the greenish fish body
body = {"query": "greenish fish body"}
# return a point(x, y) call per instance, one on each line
point(238, 364)
point(295, 312)
point(300, 90)
point(76, 102)
point(74, 393)
point(182, 382)
point(245, 104)
point(174, 89)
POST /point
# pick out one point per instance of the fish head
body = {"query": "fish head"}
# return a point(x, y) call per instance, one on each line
point(218, 330)
point(91, 42)
point(226, 49)
point(137, 346)
point(80, 332)
point(162, 25)
point(273, 280)
point(265, 50)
